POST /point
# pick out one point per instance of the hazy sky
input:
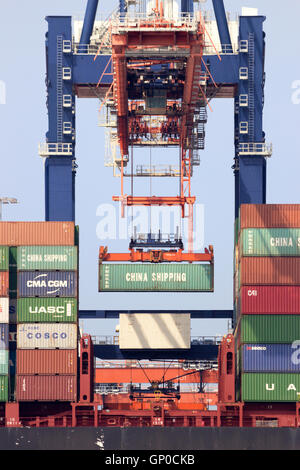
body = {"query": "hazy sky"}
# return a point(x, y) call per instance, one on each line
point(24, 124)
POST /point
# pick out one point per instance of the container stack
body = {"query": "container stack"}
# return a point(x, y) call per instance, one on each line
point(4, 323)
point(267, 303)
point(44, 278)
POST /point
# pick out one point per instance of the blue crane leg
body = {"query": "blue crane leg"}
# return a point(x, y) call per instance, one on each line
point(220, 15)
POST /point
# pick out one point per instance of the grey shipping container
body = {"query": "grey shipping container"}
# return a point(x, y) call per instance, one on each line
point(47, 284)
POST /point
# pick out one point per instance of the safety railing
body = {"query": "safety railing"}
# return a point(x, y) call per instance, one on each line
point(222, 49)
point(195, 340)
point(260, 148)
point(145, 22)
point(52, 149)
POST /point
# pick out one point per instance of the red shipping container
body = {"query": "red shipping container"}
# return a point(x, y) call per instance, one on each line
point(46, 361)
point(269, 300)
point(46, 387)
point(270, 216)
point(4, 283)
point(37, 233)
point(270, 271)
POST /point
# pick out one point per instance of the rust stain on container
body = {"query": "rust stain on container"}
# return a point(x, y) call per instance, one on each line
point(37, 233)
point(46, 387)
point(269, 271)
point(4, 283)
point(46, 362)
point(270, 216)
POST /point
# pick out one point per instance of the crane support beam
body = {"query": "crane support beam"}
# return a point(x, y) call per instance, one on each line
point(196, 352)
point(137, 375)
point(89, 20)
point(195, 314)
point(161, 256)
point(221, 18)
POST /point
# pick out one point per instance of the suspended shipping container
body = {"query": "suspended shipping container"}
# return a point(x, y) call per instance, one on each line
point(268, 329)
point(4, 310)
point(46, 362)
point(3, 388)
point(62, 258)
point(270, 242)
point(47, 284)
point(46, 388)
point(36, 233)
point(46, 336)
point(269, 299)
point(4, 283)
point(270, 387)
point(4, 258)
point(156, 277)
point(47, 310)
point(4, 336)
point(269, 271)
point(4, 370)
point(271, 357)
point(269, 216)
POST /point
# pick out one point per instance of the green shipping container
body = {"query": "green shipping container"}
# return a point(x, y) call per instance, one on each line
point(4, 258)
point(155, 277)
point(268, 329)
point(4, 362)
point(270, 242)
point(3, 388)
point(270, 387)
point(44, 310)
point(63, 258)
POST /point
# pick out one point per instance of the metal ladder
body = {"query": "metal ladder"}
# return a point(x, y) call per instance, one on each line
point(59, 81)
point(251, 87)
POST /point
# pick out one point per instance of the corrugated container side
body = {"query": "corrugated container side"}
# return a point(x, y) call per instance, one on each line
point(4, 336)
point(270, 216)
point(269, 300)
point(270, 242)
point(46, 336)
point(47, 258)
point(47, 284)
point(271, 357)
point(268, 329)
point(270, 387)
point(4, 310)
point(47, 310)
point(269, 271)
point(46, 387)
point(156, 277)
point(4, 258)
point(46, 362)
point(4, 283)
point(4, 369)
point(3, 388)
point(36, 233)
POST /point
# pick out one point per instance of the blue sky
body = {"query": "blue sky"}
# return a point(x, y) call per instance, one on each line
point(24, 124)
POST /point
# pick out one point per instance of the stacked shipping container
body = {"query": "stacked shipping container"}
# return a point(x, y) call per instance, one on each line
point(44, 291)
point(267, 303)
point(47, 323)
point(4, 323)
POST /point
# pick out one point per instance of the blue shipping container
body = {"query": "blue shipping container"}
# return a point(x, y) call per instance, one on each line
point(4, 335)
point(47, 284)
point(271, 357)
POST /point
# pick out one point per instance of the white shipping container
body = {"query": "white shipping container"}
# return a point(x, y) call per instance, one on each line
point(155, 331)
point(4, 310)
point(47, 336)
